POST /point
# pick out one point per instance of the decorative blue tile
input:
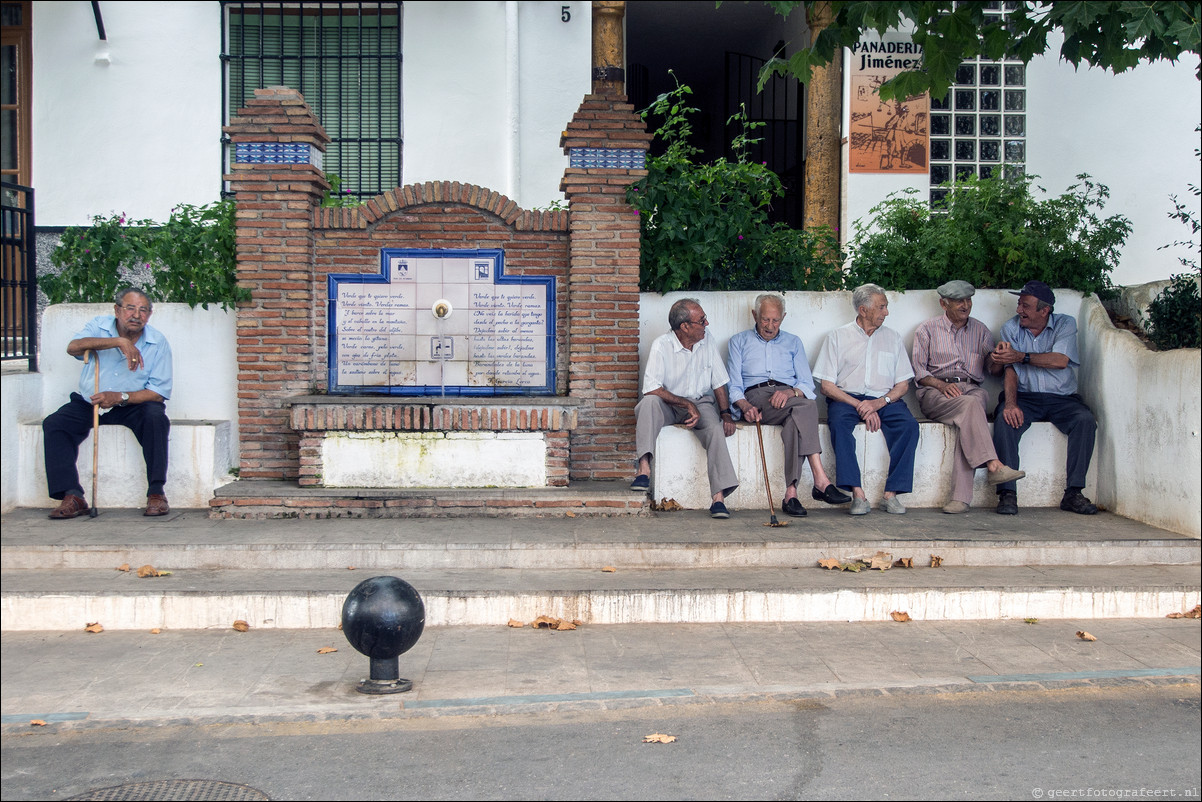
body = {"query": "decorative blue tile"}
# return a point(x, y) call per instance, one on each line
point(608, 158)
point(277, 153)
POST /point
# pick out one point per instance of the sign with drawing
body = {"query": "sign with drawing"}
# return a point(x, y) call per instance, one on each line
point(441, 322)
point(886, 136)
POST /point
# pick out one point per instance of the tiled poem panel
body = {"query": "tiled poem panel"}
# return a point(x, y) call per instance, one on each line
point(442, 323)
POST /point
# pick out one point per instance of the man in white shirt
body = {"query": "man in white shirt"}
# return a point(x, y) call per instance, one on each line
point(865, 371)
point(685, 382)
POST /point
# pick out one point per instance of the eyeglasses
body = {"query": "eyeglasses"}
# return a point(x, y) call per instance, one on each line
point(143, 310)
point(703, 322)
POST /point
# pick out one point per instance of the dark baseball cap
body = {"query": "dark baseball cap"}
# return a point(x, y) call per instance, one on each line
point(1039, 290)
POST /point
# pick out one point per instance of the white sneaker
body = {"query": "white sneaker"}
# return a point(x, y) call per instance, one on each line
point(860, 506)
point(893, 504)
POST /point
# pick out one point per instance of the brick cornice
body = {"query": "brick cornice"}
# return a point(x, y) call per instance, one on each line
point(407, 199)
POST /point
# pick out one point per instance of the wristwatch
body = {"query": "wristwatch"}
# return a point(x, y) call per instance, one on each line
point(124, 399)
point(725, 411)
point(1027, 358)
point(888, 400)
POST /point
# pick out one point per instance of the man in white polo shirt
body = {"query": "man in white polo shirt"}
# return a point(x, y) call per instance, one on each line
point(685, 382)
point(864, 372)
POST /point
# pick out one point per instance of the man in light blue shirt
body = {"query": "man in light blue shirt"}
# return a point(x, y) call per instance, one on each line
point(134, 361)
point(1037, 355)
point(770, 381)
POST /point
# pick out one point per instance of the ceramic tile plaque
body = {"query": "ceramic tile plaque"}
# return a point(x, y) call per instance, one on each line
point(441, 322)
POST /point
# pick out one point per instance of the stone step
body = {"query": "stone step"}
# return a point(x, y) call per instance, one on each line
point(283, 499)
point(205, 598)
point(188, 539)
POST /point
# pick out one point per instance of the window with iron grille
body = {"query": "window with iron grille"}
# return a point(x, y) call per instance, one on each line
point(345, 58)
point(980, 127)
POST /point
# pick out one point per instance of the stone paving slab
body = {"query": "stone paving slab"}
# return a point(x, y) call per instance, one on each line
point(74, 679)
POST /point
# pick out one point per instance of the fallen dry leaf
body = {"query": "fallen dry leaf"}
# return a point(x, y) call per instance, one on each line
point(551, 622)
point(37, 722)
point(326, 650)
point(1030, 620)
point(830, 564)
point(936, 561)
point(543, 621)
point(350, 568)
point(147, 570)
point(564, 626)
point(904, 562)
point(881, 561)
point(155, 631)
point(1083, 635)
point(123, 567)
point(93, 627)
point(609, 569)
point(1194, 613)
point(900, 616)
point(513, 622)
point(666, 505)
point(569, 513)
point(658, 738)
point(241, 625)
point(577, 622)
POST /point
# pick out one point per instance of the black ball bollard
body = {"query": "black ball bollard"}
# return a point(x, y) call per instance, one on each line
point(383, 617)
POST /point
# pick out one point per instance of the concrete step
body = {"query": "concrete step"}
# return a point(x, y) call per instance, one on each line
point(281, 499)
point(205, 598)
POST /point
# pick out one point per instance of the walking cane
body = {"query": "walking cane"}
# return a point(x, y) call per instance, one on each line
point(93, 512)
point(759, 432)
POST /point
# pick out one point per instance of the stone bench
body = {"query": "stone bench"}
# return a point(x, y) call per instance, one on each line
point(678, 471)
point(199, 453)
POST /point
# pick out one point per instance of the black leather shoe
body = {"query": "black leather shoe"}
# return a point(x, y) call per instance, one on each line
point(832, 495)
point(1073, 501)
point(793, 507)
point(1007, 503)
point(718, 510)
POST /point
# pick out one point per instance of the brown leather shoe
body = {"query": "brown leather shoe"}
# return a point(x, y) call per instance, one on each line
point(156, 505)
point(71, 507)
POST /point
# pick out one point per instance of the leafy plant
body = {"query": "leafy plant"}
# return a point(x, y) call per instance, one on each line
point(189, 259)
point(994, 233)
point(336, 196)
point(1175, 316)
point(705, 226)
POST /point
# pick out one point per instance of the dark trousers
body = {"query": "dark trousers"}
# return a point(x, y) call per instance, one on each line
point(901, 435)
point(65, 429)
point(1068, 413)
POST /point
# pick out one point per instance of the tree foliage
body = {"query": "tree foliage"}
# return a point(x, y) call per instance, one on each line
point(1112, 35)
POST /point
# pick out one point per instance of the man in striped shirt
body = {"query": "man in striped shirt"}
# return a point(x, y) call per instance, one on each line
point(949, 366)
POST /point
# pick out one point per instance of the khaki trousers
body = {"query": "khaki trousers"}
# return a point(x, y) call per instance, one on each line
point(975, 442)
point(799, 427)
point(652, 413)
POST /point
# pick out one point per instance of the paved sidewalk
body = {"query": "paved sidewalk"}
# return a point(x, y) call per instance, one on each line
point(74, 679)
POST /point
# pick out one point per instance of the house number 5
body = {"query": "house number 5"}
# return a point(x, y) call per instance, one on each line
point(565, 13)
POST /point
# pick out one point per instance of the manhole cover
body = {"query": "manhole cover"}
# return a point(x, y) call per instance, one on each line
point(172, 790)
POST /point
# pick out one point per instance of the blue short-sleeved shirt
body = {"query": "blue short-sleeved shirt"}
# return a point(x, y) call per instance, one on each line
point(1060, 336)
point(115, 375)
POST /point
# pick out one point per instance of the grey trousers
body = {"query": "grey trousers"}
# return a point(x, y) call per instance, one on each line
point(799, 432)
point(975, 442)
point(652, 413)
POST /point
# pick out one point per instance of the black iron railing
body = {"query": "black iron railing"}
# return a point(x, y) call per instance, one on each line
point(18, 276)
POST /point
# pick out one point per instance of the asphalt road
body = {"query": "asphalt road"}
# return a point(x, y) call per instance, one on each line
point(1126, 741)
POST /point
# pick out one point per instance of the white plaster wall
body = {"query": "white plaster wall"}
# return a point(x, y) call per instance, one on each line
point(202, 350)
point(1149, 408)
point(139, 133)
point(1132, 132)
point(20, 400)
point(434, 459)
point(466, 117)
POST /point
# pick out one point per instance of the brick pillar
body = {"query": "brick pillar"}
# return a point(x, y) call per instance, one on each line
point(277, 181)
point(607, 146)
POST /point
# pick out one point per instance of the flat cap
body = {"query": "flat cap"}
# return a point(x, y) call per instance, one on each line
point(1038, 289)
point(956, 290)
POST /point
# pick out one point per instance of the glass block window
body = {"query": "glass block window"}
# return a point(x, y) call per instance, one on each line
point(981, 126)
point(345, 58)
